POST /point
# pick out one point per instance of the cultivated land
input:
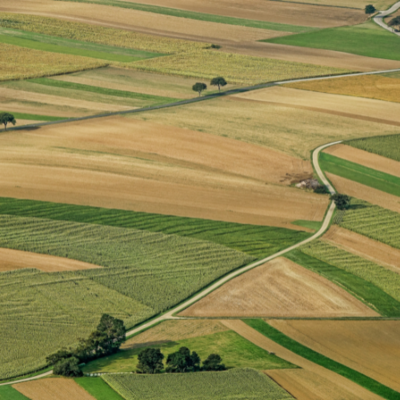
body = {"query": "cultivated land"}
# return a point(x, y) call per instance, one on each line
point(370, 347)
point(279, 288)
point(53, 389)
point(379, 4)
point(386, 146)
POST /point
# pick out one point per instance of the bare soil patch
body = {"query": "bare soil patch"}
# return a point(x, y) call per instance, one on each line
point(53, 389)
point(172, 331)
point(365, 158)
point(364, 192)
point(279, 288)
point(15, 259)
point(371, 347)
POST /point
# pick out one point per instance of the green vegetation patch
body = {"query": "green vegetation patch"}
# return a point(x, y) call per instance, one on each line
point(236, 352)
point(314, 225)
point(174, 12)
point(385, 146)
point(303, 351)
point(365, 291)
point(233, 384)
point(257, 241)
point(35, 117)
point(358, 173)
point(365, 40)
point(98, 389)
point(9, 393)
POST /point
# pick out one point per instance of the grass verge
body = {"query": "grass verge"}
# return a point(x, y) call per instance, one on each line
point(35, 117)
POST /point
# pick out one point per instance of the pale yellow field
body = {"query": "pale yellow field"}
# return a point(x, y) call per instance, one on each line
point(370, 347)
point(379, 4)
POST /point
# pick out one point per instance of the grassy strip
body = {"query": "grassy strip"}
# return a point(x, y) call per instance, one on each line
point(365, 291)
point(314, 225)
point(385, 146)
point(303, 351)
point(358, 173)
point(9, 393)
point(174, 12)
point(98, 389)
point(258, 241)
point(35, 117)
point(104, 91)
point(365, 40)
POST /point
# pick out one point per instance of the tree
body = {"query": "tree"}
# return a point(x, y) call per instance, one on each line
point(183, 361)
point(219, 81)
point(150, 361)
point(342, 201)
point(6, 118)
point(213, 363)
point(369, 9)
point(110, 334)
point(60, 355)
point(68, 367)
point(199, 87)
point(395, 21)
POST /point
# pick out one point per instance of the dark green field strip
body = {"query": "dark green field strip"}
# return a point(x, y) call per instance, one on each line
point(366, 292)
point(385, 146)
point(108, 92)
point(358, 173)
point(35, 117)
point(98, 388)
point(9, 393)
point(174, 12)
point(258, 241)
point(365, 40)
point(303, 351)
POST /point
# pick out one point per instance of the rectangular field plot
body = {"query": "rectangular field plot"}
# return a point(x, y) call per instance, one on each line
point(209, 385)
point(98, 388)
point(360, 4)
point(385, 146)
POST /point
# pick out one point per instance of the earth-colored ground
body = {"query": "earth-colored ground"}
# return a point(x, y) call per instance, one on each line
point(337, 382)
point(363, 192)
point(172, 331)
point(15, 259)
point(261, 10)
point(379, 4)
point(53, 389)
point(280, 288)
point(371, 86)
point(364, 247)
point(365, 158)
point(371, 347)
point(127, 164)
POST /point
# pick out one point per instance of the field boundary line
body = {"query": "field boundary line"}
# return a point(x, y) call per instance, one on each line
point(378, 19)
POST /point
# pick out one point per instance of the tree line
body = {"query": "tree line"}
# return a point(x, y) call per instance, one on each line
point(219, 81)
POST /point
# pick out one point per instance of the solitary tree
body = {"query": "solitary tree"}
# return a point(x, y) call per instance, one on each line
point(150, 361)
point(219, 81)
point(394, 21)
point(369, 9)
point(68, 367)
point(213, 363)
point(6, 118)
point(199, 87)
point(342, 201)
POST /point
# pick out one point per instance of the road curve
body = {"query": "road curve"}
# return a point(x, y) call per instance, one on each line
point(378, 19)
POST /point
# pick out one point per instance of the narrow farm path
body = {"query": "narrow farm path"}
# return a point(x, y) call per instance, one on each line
point(378, 19)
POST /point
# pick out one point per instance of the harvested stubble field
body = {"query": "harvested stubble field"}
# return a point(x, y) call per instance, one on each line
point(370, 347)
point(385, 146)
point(212, 385)
point(279, 288)
point(53, 389)
point(360, 4)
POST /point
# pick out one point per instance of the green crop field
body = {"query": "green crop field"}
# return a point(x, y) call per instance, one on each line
point(234, 384)
point(386, 146)
point(358, 173)
point(98, 389)
point(236, 352)
point(9, 393)
point(365, 40)
point(35, 117)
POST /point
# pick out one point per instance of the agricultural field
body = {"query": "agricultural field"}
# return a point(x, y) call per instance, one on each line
point(98, 388)
point(225, 385)
point(357, 4)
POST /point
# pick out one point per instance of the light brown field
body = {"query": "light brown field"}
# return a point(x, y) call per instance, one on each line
point(15, 259)
point(370, 86)
point(318, 373)
point(279, 288)
point(122, 163)
point(294, 130)
point(370, 347)
point(172, 331)
point(379, 4)
point(364, 247)
point(261, 10)
point(53, 389)
point(363, 192)
point(365, 158)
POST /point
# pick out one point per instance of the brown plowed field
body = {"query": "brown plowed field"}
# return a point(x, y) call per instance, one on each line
point(351, 389)
point(15, 259)
point(53, 389)
point(365, 158)
point(364, 247)
point(172, 331)
point(279, 288)
point(379, 4)
point(261, 10)
point(370, 347)
point(123, 163)
point(363, 192)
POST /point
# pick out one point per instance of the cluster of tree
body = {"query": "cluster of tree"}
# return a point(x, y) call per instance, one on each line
point(218, 81)
point(105, 340)
point(151, 362)
point(342, 201)
point(370, 9)
point(395, 22)
point(6, 118)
